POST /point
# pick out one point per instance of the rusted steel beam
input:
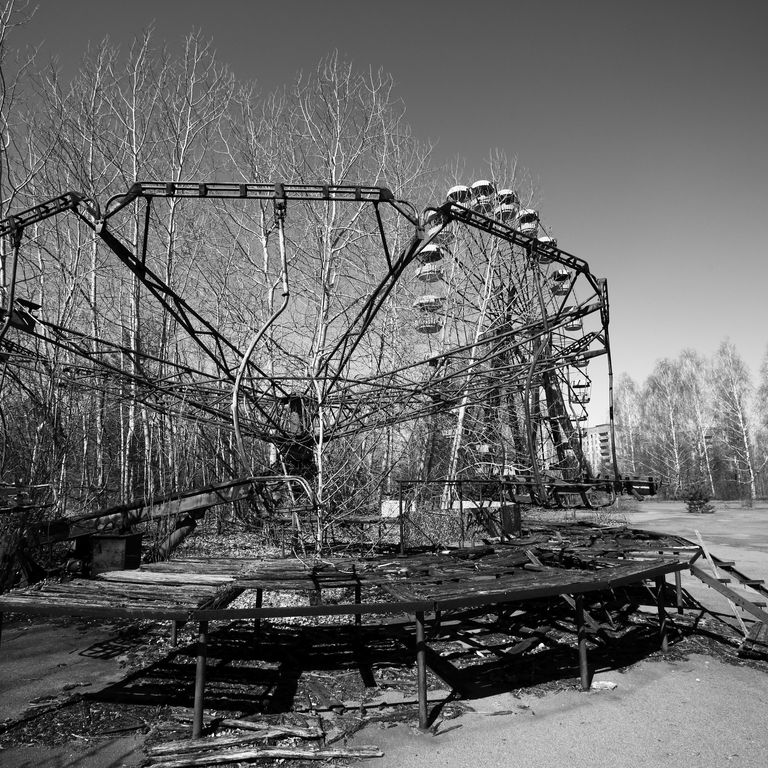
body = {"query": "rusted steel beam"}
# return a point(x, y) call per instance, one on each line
point(188, 502)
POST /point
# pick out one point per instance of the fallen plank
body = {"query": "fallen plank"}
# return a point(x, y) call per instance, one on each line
point(176, 748)
point(261, 727)
point(392, 699)
point(273, 731)
point(274, 753)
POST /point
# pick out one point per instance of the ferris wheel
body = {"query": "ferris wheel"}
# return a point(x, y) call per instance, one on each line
point(512, 324)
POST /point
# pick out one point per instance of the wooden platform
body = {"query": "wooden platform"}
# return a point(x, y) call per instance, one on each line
point(561, 561)
point(568, 559)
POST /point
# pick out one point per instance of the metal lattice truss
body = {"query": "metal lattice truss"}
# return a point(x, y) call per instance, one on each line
point(334, 311)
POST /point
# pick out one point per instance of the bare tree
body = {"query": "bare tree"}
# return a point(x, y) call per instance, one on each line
point(732, 396)
point(629, 424)
point(697, 394)
point(761, 402)
point(662, 407)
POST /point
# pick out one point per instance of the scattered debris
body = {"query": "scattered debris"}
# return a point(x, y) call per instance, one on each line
point(602, 685)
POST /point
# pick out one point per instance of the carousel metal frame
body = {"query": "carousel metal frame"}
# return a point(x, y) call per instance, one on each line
point(418, 389)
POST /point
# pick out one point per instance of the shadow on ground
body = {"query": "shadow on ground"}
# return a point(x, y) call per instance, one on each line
point(276, 669)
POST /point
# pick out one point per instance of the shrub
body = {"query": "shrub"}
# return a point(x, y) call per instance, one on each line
point(698, 499)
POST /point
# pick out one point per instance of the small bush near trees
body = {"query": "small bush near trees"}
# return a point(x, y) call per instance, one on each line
point(698, 500)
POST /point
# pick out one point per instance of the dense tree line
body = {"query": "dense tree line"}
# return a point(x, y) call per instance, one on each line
point(149, 113)
point(697, 422)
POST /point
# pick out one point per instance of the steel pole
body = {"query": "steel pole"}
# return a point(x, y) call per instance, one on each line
point(663, 640)
point(581, 633)
point(421, 670)
point(202, 651)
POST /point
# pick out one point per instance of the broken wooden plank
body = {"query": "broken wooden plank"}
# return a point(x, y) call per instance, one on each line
point(261, 728)
point(176, 748)
point(274, 753)
point(273, 731)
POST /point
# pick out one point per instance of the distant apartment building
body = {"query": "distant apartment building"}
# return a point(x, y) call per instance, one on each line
point(596, 444)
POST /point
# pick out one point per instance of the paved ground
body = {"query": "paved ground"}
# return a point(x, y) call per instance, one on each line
point(123, 752)
point(732, 533)
point(42, 659)
point(686, 714)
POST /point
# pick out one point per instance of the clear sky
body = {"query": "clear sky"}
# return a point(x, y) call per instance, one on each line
point(646, 125)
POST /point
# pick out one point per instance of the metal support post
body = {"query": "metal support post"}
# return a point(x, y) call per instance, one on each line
point(663, 641)
point(401, 521)
point(259, 600)
point(202, 651)
point(358, 616)
point(581, 634)
point(517, 520)
point(679, 591)
point(421, 670)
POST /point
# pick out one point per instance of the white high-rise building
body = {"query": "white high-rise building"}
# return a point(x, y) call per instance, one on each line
point(596, 444)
